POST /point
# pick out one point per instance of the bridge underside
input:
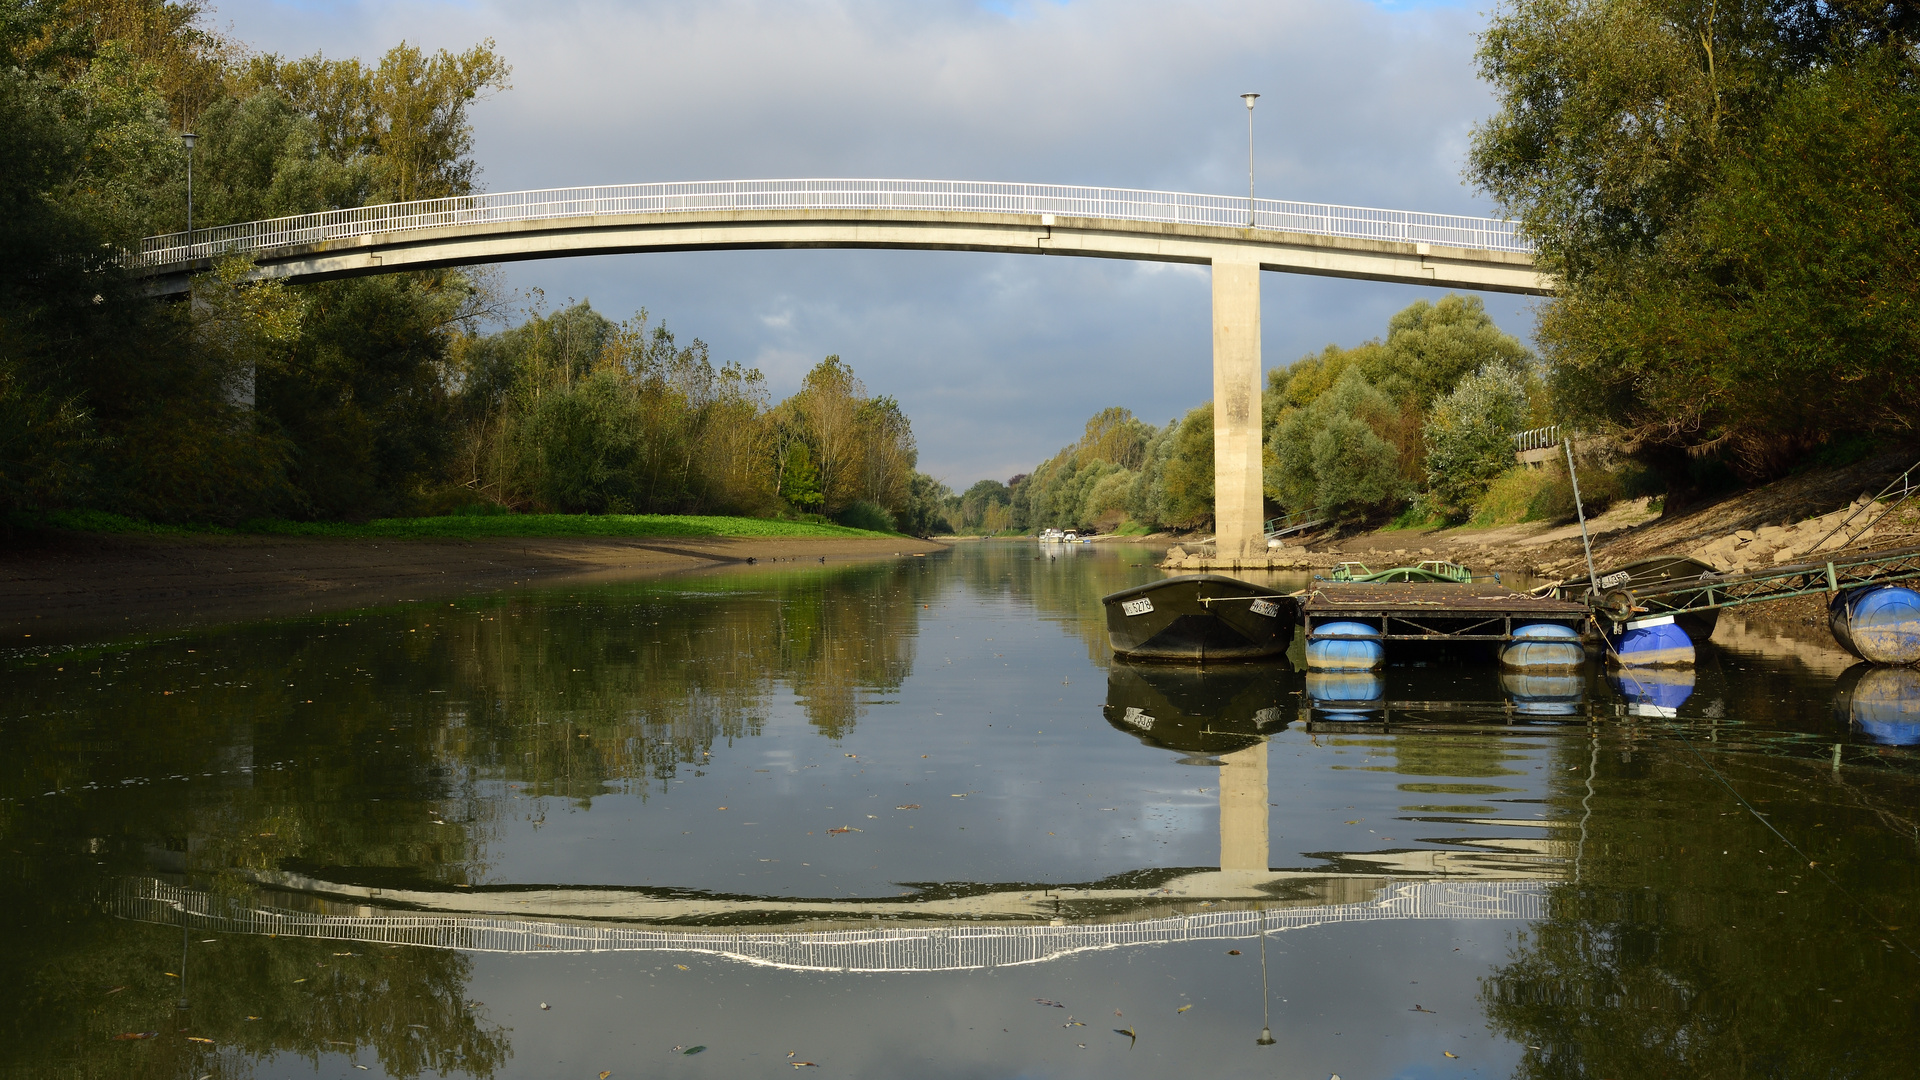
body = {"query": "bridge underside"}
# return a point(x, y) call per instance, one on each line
point(1236, 256)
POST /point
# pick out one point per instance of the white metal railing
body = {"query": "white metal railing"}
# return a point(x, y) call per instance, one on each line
point(1536, 438)
point(748, 196)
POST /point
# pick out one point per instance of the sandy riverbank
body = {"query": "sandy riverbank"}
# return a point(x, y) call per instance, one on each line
point(61, 588)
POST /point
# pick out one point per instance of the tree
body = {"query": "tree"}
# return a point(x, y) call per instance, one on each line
point(1469, 437)
point(1727, 195)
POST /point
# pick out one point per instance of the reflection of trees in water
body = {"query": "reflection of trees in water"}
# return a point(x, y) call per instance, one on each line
point(406, 1007)
point(1063, 584)
point(358, 744)
point(1695, 946)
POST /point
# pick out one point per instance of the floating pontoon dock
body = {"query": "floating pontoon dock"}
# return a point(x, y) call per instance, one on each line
point(1413, 611)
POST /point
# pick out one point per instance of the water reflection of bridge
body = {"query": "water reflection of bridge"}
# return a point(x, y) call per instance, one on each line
point(948, 946)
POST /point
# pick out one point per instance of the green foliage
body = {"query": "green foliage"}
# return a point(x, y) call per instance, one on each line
point(1469, 436)
point(1729, 197)
point(862, 514)
point(1186, 475)
point(1095, 477)
point(1332, 455)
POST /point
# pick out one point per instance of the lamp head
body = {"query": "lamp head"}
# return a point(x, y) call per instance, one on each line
point(188, 137)
point(1249, 99)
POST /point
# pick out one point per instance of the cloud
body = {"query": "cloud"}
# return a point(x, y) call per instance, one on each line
point(998, 359)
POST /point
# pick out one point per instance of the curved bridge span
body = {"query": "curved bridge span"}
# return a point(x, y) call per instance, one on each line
point(1046, 219)
point(1237, 237)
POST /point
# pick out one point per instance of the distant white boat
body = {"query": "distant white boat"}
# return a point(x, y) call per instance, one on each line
point(1053, 536)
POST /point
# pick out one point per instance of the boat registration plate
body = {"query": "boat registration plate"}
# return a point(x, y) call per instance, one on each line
point(1266, 607)
point(1141, 606)
point(1619, 577)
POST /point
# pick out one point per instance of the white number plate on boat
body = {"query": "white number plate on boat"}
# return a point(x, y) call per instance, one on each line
point(1266, 607)
point(1136, 607)
point(1617, 578)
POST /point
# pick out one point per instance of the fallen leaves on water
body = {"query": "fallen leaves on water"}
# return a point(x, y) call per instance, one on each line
point(1349, 823)
point(1072, 1023)
point(1424, 1009)
point(604, 1073)
point(1233, 952)
point(132, 1035)
point(256, 1018)
point(545, 1007)
point(692, 1050)
point(198, 1039)
point(1128, 1032)
point(1450, 1053)
point(363, 1068)
point(842, 829)
point(909, 806)
point(1183, 1008)
point(683, 967)
point(1049, 1003)
point(113, 991)
point(169, 974)
point(804, 1064)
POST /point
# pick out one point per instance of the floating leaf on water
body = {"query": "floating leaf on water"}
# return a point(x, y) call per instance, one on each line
point(114, 990)
point(1128, 1032)
point(1071, 1022)
point(1048, 1003)
point(843, 829)
point(131, 1035)
point(198, 1039)
point(604, 1073)
point(169, 974)
point(544, 1006)
point(1450, 1053)
point(256, 1018)
point(1183, 1008)
point(909, 806)
point(363, 1068)
point(692, 1050)
point(1233, 952)
point(1350, 823)
point(1422, 1009)
point(804, 1064)
point(683, 967)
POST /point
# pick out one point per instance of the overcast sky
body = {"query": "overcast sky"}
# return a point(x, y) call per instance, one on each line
point(998, 359)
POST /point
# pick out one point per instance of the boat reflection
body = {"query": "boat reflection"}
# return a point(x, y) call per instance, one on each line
point(1199, 712)
point(1882, 703)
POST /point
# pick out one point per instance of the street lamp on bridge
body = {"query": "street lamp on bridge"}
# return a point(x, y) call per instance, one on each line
point(188, 137)
point(1249, 99)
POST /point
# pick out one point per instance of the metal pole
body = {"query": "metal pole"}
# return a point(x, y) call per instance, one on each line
point(1593, 576)
point(188, 137)
point(1249, 99)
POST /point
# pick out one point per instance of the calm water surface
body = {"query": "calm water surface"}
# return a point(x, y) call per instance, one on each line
point(910, 819)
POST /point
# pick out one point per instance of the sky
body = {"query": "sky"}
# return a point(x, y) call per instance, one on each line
point(998, 359)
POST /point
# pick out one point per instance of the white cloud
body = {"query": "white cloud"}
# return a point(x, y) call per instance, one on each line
point(998, 359)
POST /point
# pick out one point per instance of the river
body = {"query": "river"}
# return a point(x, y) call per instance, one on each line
point(908, 818)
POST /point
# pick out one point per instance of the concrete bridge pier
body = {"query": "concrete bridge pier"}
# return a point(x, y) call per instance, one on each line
point(1237, 465)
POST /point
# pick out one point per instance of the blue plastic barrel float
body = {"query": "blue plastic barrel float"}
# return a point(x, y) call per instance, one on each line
point(1544, 647)
point(1345, 646)
point(1878, 623)
point(1882, 703)
point(1345, 693)
point(1653, 691)
point(1654, 642)
point(1542, 693)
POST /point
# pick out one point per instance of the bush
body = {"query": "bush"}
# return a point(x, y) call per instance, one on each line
point(1470, 437)
point(865, 515)
point(1509, 499)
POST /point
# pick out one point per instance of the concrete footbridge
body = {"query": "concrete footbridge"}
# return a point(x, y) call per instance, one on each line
point(1235, 236)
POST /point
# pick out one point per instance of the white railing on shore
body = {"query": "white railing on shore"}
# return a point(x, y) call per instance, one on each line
point(748, 196)
point(1536, 438)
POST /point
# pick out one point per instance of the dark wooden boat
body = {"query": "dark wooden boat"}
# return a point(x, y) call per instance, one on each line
point(1658, 570)
point(1198, 619)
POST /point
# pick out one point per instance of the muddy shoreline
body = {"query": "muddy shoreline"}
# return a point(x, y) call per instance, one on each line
point(61, 588)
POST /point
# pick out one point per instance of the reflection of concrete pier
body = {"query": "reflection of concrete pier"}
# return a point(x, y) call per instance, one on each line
point(1243, 810)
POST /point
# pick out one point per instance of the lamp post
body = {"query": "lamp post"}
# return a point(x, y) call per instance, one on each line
point(1266, 1030)
point(1249, 99)
point(188, 137)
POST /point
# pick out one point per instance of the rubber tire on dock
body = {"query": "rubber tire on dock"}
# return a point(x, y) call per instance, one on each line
point(1877, 623)
point(1345, 646)
point(1544, 647)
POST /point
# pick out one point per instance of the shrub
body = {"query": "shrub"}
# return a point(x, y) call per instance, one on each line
point(862, 514)
point(1470, 437)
